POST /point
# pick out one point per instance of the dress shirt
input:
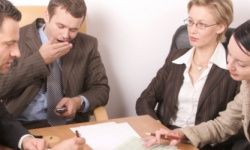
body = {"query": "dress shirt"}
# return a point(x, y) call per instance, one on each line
point(36, 110)
point(189, 93)
point(20, 143)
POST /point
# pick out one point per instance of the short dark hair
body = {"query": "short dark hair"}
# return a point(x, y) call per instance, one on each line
point(77, 8)
point(8, 10)
point(242, 36)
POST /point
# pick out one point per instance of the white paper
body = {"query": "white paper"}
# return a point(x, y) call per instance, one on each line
point(106, 136)
point(136, 143)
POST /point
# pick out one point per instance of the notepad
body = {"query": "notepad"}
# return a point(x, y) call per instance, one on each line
point(114, 136)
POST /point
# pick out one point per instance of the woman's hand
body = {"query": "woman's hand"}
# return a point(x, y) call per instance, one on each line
point(172, 137)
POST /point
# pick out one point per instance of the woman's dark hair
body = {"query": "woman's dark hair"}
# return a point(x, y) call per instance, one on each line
point(242, 37)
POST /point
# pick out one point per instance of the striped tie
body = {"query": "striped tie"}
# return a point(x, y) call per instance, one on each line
point(55, 94)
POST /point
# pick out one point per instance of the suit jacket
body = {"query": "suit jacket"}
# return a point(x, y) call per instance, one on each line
point(230, 121)
point(163, 90)
point(10, 130)
point(83, 72)
point(9, 82)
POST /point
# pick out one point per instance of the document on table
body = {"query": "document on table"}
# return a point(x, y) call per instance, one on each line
point(137, 144)
point(113, 136)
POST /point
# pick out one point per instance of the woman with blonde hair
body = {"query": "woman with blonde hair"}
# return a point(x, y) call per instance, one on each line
point(236, 116)
point(194, 84)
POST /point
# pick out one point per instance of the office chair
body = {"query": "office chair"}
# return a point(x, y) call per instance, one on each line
point(29, 14)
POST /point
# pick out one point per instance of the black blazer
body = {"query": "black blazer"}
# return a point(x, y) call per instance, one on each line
point(164, 89)
point(10, 130)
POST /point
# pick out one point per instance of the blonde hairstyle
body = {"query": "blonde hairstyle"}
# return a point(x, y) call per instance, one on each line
point(222, 12)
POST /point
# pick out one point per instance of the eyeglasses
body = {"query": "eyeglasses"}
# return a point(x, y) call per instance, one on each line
point(198, 25)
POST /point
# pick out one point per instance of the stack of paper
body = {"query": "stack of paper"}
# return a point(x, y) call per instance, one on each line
point(112, 136)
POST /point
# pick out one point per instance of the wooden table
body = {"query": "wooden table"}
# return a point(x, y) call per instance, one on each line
point(140, 124)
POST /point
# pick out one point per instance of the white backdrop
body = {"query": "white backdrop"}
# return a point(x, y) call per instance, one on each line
point(134, 39)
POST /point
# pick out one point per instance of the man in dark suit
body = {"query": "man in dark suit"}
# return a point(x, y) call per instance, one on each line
point(80, 74)
point(13, 134)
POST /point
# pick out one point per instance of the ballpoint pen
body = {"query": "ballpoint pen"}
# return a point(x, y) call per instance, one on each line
point(77, 134)
point(164, 137)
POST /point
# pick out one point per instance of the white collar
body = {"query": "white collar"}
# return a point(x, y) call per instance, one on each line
point(218, 58)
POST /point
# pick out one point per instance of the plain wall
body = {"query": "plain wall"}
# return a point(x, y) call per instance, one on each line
point(134, 39)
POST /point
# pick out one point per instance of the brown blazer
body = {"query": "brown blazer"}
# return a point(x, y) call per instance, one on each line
point(230, 121)
point(10, 82)
point(164, 89)
point(83, 72)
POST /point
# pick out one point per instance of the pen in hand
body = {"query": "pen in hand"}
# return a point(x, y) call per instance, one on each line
point(38, 136)
point(164, 137)
point(77, 134)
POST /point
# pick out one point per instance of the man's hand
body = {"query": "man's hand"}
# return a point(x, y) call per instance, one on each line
point(53, 50)
point(71, 104)
point(177, 135)
point(75, 143)
point(31, 143)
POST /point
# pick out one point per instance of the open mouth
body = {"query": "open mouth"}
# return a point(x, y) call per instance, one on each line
point(59, 41)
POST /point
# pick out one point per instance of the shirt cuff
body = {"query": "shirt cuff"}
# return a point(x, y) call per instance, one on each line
point(21, 140)
point(86, 104)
